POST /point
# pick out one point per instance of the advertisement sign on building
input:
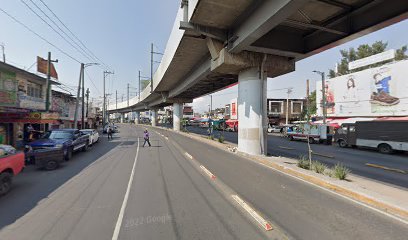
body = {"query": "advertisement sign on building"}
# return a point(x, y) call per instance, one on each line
point(234, 109)
point(381, 91)
point(42, 67)
point(380, 57)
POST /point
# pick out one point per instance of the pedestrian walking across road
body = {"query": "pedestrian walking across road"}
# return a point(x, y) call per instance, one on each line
point(146, 138)
point(109, 131)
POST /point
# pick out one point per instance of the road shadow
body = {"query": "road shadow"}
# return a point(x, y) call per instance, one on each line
point(33, 185)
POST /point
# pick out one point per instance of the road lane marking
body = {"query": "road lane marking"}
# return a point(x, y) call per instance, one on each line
point(188, 155)
point(212, 176)
point(288, 148)
point(339, 195)
point(322, 155)
point(125, 199)
point(264, 224)
point(386, 168)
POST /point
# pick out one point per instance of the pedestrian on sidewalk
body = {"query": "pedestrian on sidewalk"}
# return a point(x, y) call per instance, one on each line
point(146, 138)
point(109, 131)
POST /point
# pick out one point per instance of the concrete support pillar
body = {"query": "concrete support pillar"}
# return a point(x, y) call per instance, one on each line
point(137, 117)
point(154, 117)
point(122, 117)
point(177, 116)
point(252, 111)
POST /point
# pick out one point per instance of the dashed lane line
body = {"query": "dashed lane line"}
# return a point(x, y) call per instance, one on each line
point(386, 168)
point(264, 224)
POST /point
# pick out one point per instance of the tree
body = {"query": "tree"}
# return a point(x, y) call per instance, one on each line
point(364, 51)
point(312, 108)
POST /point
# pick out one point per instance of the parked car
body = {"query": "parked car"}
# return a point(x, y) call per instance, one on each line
point(93, 135)
point(46, 158)
point(275, 129)
point(69, 140)
point(11, 164)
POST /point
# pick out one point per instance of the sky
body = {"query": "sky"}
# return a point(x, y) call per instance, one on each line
point(119, 33)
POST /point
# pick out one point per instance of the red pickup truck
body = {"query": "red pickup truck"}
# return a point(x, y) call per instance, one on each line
point(11, 164)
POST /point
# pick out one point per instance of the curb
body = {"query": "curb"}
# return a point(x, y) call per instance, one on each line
point(379, 205)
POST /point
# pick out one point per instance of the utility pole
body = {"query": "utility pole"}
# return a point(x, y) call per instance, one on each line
point(87, 102)
point(324, 105)
point(211, 105)
point(139, 86)
point(128, 94)
point(47, 84)
point(307, 99)
point(116, 99)
point(324, 98)
point(83, 100)
point(4, 55)
point(81, 73)
point(151, 68)
point(287, 105)
point(152, 52)
point(105, 73)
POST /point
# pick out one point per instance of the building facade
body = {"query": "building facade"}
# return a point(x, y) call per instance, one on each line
point(23, 103)
point(277, 110)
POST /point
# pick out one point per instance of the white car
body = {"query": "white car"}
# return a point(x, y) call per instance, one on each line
point(275, 129)
point(93, 135)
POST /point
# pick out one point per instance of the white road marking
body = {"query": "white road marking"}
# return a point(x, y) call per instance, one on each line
point(188, 155)
point(340, 195)
point(267, 226)
point(212, 176)
point(125, 199)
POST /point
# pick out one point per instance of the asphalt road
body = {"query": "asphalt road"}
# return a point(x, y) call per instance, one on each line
point(170, 198)
point(354, 159)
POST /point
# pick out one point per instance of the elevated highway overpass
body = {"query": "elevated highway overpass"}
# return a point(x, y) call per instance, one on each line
point(216, 43)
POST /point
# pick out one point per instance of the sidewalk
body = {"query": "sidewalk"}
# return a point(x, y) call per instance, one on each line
point(389, 199)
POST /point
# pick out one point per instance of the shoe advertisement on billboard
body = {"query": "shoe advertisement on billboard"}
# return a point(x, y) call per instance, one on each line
point(380, 91)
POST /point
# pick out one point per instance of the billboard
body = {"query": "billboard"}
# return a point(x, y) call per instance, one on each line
point(381, 91)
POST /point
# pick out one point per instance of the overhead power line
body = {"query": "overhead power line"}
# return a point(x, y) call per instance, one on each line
point(32, 10)
point(46, 15)
point(92, 82)
point(52, 12)
point(38, 35)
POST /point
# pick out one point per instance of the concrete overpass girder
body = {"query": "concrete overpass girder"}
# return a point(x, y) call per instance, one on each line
point(232, 63)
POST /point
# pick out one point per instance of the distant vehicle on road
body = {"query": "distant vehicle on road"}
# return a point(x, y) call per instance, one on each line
point(93, 135)
point(385, 136)
point(310, 132)
point(69, 140)
point(11, 164)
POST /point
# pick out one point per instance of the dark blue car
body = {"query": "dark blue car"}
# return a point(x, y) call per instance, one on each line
point(69, 140)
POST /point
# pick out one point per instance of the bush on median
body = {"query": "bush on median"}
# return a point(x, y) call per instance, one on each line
point(221, 139)
point(303, 162)
point(318, 167)
point(340, 171)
